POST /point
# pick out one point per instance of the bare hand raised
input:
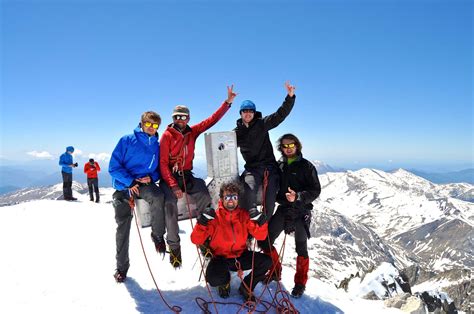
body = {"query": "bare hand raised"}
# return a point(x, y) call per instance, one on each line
point(290, 88)
point(230, 94)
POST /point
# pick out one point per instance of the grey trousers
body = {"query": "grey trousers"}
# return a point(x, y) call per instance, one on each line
point(198, 192)
point(123, 217)
point(252, 180)
point(67, 185)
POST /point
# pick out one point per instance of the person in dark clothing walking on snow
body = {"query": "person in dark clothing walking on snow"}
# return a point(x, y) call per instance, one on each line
point(176, 164)
point(299, 187)
point(257, 151)
point(134, 167)
point(228, 229)
point(90, 169)
point(67, 163)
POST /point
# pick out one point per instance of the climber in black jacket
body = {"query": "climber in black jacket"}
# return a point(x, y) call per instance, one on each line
point(257, 151)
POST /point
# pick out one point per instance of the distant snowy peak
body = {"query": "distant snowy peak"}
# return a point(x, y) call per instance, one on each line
point(322, 167)
point(393, 203)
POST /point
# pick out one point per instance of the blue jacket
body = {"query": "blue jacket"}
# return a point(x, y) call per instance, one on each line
point(135, 156)
point(65, 161)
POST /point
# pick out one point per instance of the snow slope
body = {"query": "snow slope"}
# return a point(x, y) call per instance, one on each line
point(59, 257)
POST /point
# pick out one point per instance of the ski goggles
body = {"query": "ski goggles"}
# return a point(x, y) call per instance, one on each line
point(149, 124)
point(232, 197)
point(180, 117)
point(291, 145)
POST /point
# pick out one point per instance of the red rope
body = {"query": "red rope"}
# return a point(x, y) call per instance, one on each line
point(197, 247)
point(283, 304)
point(264, 191)
point(175, 308)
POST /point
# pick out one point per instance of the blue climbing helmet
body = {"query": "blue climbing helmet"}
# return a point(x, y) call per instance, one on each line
point(70, 149)
point(247, 105)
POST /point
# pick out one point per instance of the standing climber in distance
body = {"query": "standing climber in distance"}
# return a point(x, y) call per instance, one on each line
point(90, 169)
point(67, 164)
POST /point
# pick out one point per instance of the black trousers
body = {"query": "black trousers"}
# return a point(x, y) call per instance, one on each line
point(218, 270)
point(93, 184)
point(67, 185)
point(277, 225)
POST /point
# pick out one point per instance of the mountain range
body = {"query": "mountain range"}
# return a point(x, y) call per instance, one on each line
point(37, 173)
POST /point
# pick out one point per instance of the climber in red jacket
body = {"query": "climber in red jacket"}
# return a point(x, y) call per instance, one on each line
point(228, 229)
point(176, 165)
point(90, 169)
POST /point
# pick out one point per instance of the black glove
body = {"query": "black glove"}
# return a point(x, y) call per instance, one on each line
point(257, 216)
point(289, 223)
point(76, 164)
point(207, 215)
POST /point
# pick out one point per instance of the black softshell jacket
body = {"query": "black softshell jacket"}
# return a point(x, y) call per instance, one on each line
point(254, 141)
point(301, 176)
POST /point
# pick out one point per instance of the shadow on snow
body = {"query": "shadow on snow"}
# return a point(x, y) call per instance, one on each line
point(149, 301)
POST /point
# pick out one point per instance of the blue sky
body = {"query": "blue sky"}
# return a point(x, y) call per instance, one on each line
point(379, 83)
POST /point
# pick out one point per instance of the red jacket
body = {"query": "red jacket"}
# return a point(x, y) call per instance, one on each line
point(177, 149)
point(90, 170)
point(229, 232)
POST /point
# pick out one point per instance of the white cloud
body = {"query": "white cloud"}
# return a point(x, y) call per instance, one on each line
point(100, 156)
point(77, 152)
point(41, 155)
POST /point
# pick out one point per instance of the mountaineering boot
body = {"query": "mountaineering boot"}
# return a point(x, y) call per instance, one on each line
point(276, 266)
point(160, 245)
point(175, 257)
point(301, 276)
point(224, 290)
point(298, 291)
point(120, 276)
point(246, 294)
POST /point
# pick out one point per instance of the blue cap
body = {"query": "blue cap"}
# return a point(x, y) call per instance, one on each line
point(247, 105)
point(70, 149)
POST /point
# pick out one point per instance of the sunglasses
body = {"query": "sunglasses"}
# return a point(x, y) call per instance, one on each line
point(291, 145)
point(229, 197)
point(179, 117)
point(248, 111)
point(149, 124)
